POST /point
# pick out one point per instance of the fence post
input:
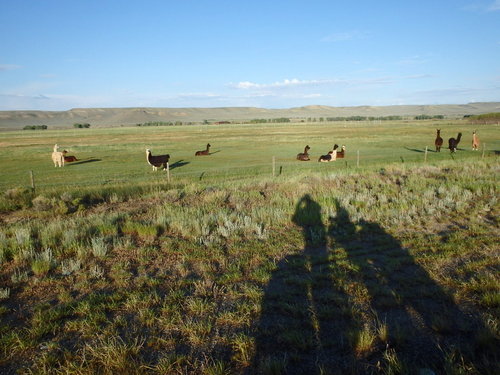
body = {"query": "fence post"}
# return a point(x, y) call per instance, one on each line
point(425, 157)
point(32, 177)
point(168, 171)
point(357, 161)
point(484, 149)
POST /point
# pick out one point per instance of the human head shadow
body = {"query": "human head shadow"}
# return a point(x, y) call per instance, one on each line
point(305, 315)
point(423, 323)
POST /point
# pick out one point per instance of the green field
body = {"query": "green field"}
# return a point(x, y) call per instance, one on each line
point(117, 155)
point(391, 267)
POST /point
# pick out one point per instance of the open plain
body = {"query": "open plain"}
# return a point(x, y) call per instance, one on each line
point(386, 263)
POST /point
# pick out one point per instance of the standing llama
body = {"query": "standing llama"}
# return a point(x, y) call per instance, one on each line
point(453, 143)
point(304, 156)
point(475, 141)
point(204, 152)
point(439, 141)
point(157, 161)
point(57, 157)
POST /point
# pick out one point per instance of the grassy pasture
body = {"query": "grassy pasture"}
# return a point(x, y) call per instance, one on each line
point(392, 268)
point(116, 156)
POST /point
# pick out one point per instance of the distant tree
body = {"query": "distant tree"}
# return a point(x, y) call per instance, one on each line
point(35, 127)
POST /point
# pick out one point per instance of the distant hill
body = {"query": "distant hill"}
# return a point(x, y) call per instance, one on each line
point(108, 117)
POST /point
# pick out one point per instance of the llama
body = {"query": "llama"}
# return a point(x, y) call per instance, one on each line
point(341, 153)
point(326, 158)
point(204, 152)
point(157, 161)
point(439, 141)
point(68, 158)
point(453, 143)
point(331, 156)
point(475, 141)
point(304, 156)
point(57, 157)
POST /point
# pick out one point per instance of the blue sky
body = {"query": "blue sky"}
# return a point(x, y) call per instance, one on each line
point(63, 54)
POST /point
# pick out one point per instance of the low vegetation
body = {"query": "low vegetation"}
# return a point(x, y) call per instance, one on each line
point(487, 118)
point(35, 127)
point(392, 271)
point(388, 268)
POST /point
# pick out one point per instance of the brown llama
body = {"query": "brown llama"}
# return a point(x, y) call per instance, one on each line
point(204, 152)
point(341, 153)
point(475, 141)
point(304, 156)
point(453, 143)
point(439, 141)
point(69, 158)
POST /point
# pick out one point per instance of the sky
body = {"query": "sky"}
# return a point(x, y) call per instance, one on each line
point(64, 54)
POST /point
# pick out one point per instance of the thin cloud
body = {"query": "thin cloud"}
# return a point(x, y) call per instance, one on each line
point(344, 36)
point(245, 85)
point(5, 67)
point(292, 83)
point(495, 6)
point(482, 7)
point(413, 60)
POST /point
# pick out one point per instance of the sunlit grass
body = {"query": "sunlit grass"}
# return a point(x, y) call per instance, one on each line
point(185, 277)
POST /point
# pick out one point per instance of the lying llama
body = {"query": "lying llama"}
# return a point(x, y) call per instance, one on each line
point(304, 156)
point(326, 158)
point(453, 143)
point(204, 152)
point(439, 141)
point(341, 153)
point(57, 157)
point(157, 161)
point(68, 158)
point(475, 141)
point(331, 156)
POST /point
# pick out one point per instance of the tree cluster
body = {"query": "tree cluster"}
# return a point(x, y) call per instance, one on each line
point(35, 127)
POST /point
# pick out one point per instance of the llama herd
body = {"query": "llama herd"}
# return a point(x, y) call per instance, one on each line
point(161, 161)
point(453, 142)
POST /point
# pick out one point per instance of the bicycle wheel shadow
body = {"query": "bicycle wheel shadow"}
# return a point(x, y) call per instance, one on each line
point(311, 323)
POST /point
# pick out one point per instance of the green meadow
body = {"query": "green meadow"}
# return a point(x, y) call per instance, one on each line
point(116, 156)
point(386, 267)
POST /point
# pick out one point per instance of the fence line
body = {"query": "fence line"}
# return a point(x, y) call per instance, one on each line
point(226, 172)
